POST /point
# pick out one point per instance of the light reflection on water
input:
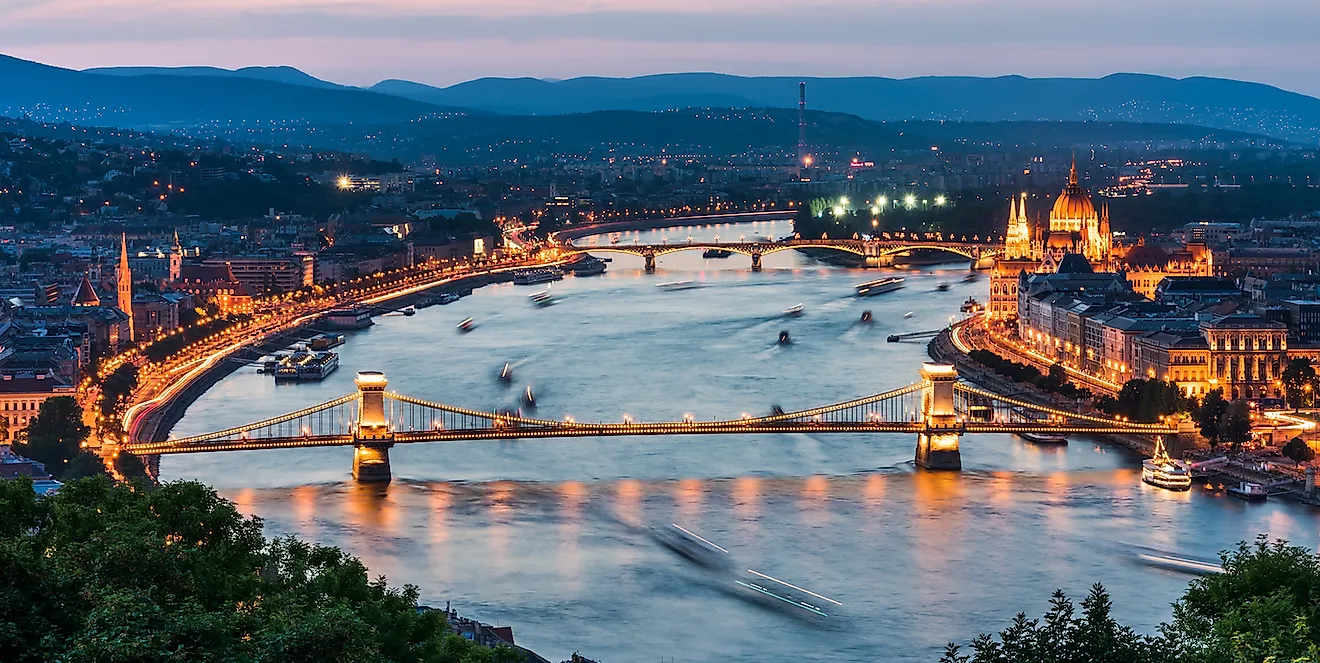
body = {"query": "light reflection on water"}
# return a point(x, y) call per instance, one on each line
point(549, 536)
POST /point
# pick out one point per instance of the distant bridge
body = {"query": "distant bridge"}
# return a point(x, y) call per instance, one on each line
point(877, 253)
point(938, 410)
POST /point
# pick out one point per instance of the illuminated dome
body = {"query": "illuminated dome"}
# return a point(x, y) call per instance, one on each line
point(1073, 207)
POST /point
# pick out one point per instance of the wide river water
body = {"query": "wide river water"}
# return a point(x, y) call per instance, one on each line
point(549, 536)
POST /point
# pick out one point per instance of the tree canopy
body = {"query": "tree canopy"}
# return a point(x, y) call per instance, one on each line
point(1262, 609)
point(55, 437)
point(116, 573)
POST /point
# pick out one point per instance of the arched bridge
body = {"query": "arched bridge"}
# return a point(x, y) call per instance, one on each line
point(939, 410)
point(876, 252)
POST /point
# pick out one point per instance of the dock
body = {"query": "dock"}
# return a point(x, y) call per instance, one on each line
point(912, 336)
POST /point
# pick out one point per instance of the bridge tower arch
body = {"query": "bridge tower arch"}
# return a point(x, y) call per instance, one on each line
point(372, 436)
point(937, 445)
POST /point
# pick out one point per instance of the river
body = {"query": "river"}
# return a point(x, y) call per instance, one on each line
point(549, 535)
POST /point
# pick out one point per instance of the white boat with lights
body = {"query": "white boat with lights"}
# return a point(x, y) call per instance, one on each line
point(305, 365)
point(542, 298)
point(879, 286)
point(795, 311)
point(678, 285)
point(692, 546)
point(778, 593)
point(535, 276)
point(1166, 472)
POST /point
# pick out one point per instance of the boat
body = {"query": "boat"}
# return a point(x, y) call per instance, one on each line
point(943, 287)
point(1177, 562)
point(1165, 472)
point(535, 276)
point(542, 298)
point(1044, 438)
point(907, 315)
point(305, 365)
point(879, 286)
point(1251, 492)
point(446, 298)
point(795, 311)
point(970, 277)
point(776, 410)
point(866, 317)
point(784, 338)
point(692, 546)
point(466, 325)
point(589, 267)
point(348, 317)
point(970, 306)
point(781, 594)
point(325, 341)
point(410, 311)
point(528, 398)
point(716, 253)
point(506, 373)
point(678, 285)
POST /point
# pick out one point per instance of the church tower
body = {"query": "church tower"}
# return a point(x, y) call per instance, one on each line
point(1017, 239)
point(125, 284)
point(176, 258)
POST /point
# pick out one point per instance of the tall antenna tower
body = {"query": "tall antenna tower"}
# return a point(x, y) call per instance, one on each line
point(802, 122)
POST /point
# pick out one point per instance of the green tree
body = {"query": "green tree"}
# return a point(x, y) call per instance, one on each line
point(1209, 415)
point(1264, 607)
point(103, 572)
point(1299, 382)
point(1061, 635)
point(1235, 425)
point(116, 388)
point(55, 437)
point(1298, 450)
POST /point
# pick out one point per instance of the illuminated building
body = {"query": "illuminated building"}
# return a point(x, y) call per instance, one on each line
point(125, 277)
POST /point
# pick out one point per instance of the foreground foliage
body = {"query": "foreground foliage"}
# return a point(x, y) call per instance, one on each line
point(1263, 609)
point(109, 573)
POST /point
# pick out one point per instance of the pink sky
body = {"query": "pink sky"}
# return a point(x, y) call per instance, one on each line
point(446, 41)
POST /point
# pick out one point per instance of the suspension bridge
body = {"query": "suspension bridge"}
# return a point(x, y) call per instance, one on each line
point(938, 409)
point(876, 252)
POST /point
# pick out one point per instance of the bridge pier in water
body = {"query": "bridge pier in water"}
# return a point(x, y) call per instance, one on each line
point(650, 262)
point(372, 436)
point(937, 445)
point(756, 262)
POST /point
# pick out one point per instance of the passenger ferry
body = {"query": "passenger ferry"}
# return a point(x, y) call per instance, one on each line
point(678, 285)
point(306, 365)
point(1166, 472)
point(795, 311)
point(716, 253)
point(1251, 492)
point(1044, 438)
point(535, 276)
point(879, 286)
point(589, 267)
point(692, 546)
point(542, 298)
point(970, 306)
point(778, 593)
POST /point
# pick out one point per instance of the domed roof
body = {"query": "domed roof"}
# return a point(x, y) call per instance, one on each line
point(1073, 203)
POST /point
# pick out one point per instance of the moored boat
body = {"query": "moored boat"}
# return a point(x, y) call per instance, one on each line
point(1165, 472)
point(305, 365)
point(537, 275)
point(589, 267)
point(1044, 438)
point(1251, 492)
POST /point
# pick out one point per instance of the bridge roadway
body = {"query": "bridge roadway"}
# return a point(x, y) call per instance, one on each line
point(939, 410)
point(877, 253)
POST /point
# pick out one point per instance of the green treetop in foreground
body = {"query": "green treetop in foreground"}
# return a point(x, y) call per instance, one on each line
point(109, 573)
point(1264, 608)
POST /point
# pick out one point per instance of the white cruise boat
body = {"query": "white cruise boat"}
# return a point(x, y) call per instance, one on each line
point(879, 286)
point(1165, 472)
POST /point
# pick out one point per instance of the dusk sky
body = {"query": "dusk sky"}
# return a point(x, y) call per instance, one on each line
point(446, 41)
